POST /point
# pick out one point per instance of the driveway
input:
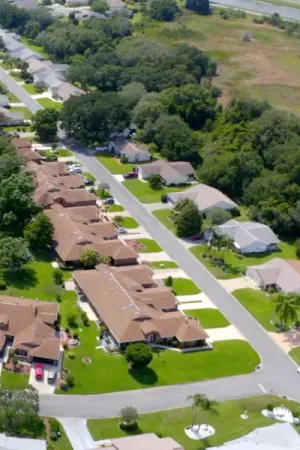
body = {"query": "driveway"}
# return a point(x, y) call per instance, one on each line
point(78, 433)
point(237, 283)
point(202, 300)
point(159, 256)
point(161, 274)
point(42, 386)
point(224, 334)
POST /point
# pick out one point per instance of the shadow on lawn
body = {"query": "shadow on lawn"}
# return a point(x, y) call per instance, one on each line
point(23, 279)
point(145, 375)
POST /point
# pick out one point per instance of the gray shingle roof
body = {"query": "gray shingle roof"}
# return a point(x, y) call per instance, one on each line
point(246, 233)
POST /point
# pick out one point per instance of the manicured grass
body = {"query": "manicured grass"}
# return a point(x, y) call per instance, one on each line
point(259, 305)
point(109, 373)
point(11, 380)
point(165, 264)
point(115, 208)
point(63, 442)
point(13, 98)
point(295, 354)
point(114, 165)
point(129, 222)
point(24, 110)
point(150, 246)
point(184, 286)
point(48, 103)
point(16, 76)
point(146, 194)
point(30, 88)
point(208, 317)
point(64, 152)
point(236, 264)
point(18, 129)
point(89, 176)
point(226, 421)
point(163, 215)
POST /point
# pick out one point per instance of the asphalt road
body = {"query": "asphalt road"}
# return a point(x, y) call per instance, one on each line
point(261, 7)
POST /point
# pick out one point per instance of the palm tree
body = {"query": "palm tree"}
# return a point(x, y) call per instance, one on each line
point(200, 401)
point(287, 307)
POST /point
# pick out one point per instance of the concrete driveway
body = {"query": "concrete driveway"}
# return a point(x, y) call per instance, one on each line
point(224, 334)
point(237, 283)
point(78, 434)
point(161, 274)
point(42, 386)
point(199, 299)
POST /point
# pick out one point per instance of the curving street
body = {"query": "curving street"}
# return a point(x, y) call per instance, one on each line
point(261, 7)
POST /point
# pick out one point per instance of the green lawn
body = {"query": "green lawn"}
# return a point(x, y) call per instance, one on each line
point(11, 380)
point(30, 88)
point(18, 129)
point(16, 75)
point(184, 286)
point(109, 373)
point(146, 194)
point(24, 110)
point(129, 222)
point(36, 281)
point(13, 98)
point(295, 354)
point(115, 208)
point(259, 305)
point(89, 176)
point(35, 48)
point(236, 264)
point(63, 442)
point(226, 421)
point(209, 317)
point(163, 265)
point(150, 246)
point(48, 103)
point(114, 165)
point(64, 152)
point(163, 215)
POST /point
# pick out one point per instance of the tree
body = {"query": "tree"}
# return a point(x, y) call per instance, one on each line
point(139, 355)
point(297, 247)
point(169, 281)
point(199, 6)
point(72, 320)
point(187, 218)
point(129, 416)
point(14, 253)
point(99, 6)
point(39, 232)
point(58, 277)
point(217, 216)
point(132, 93)
point(201, 402)
point(287, 307)
point(163, 9)
point(89, 258)
point(69, 378)
point(45, 123)
point(155, 182)
point(118, 220)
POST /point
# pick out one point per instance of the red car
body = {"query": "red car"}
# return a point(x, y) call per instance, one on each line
point(39, 371)
point(131, 175)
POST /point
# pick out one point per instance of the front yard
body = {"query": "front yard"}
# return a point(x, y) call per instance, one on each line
point(295, 354)
point(163, 265)
point(235, 264)
point(209, 317)
point(24, 110)
point(259, 305)
point(109, 373)
point(146, 194)
point(48, 103)
point(149, 246)
point(11, 380)
point(226, 421)
point(115, 208)
point(129, 222)
point(163, 215)
point(184, 286)
point(114, 165)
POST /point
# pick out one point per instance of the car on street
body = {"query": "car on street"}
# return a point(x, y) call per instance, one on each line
point(130, 175)
point(109, 201)
point(51, 376)
point(39, 371)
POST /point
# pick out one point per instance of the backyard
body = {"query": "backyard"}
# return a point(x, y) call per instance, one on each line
point(235, 264)
point(146, 194)
point(109, 373)
point(226, 421)
point(209, 317)
point(259, 305)
point(184, 286)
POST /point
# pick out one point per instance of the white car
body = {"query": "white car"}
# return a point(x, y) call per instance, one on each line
point(101, 149)
point(76, 170)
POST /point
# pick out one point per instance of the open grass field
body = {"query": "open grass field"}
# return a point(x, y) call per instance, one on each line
point(146, 194)
point(236, 264)
point(259, 305)
point(109, 373)
point(184, 286)
point(209, 317)
point(267, 68)
point(11, 380)
point(226, 421)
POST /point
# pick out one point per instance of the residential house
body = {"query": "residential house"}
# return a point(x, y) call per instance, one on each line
point(116, 5)
point(65, 90)
point(147, 441)
point(10, 118)
point(29, 327)
point(72, 237)
point(279, 436)
point(21, 443)
point(205, 197)
point(134, 153)
point(283, 275)
point(172, 173)
point(25, 149)
point(66, 198)
point(53, 183)
point(52, 169)
point(4, 101)
point(135, 313)
point(27, 54)
point(249, 237)
point(85, 215)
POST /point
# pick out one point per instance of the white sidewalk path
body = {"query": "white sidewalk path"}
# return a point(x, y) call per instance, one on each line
point(78, 433)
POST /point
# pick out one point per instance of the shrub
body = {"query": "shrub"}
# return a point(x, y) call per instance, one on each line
point(128, 426)
point(58, 298)
point(129, 417)
point(53, 436)
point(164, 198)
point(69, 378)
point(297, 247)
point(85, 319)
point(65, 346)
point(58, 277)
point(139, 355)
point(71, 355)
point(72, 320)
point(124, 160)
point(169, 281)
point(63, 385)
point(75, 336)
point(54, 425)
point(270, 406)
point(155, 182)
point(2, 285)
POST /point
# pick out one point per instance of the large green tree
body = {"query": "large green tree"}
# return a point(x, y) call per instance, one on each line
point(163, 9)
point(45, 124)
point(187, 218)
point(89, 258)
point(39, 232)
point(14, 253)
point(139, 355)
point(199, 6)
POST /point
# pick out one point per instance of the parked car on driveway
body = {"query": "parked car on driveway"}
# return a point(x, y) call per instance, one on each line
point(122, 230)
point(77, 169)
point(51, 376)
point(109, 201)
point(89, 182)
point(39, 371)
point(130, 175)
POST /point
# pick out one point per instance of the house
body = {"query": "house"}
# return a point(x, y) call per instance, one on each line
point(148, 441)
point(49, 182)
point(67, 198)
point(21, 443)
point(116, 5)
point(10, 118)
point(24, 149)
point(172, 173)
point(249, 237)
point(27, 54)
point(283, 275)
point(84, 215)
point(53, 169)
point(135, 313)
point(205, 197)
point(21, 143)
point(65, 90)
point(29, 327)
point(88, 14)
point(279, 436)
point(4, 101)
point(72, 237)
point(132, 152)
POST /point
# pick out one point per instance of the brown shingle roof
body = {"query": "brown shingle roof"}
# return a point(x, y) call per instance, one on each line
point(54, 169)
point(21, 143)
point(74, 196)
point(30, 155)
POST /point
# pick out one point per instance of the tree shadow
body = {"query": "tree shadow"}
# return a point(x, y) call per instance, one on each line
point(23, 279)
point(145, 375)
point(44, 256)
